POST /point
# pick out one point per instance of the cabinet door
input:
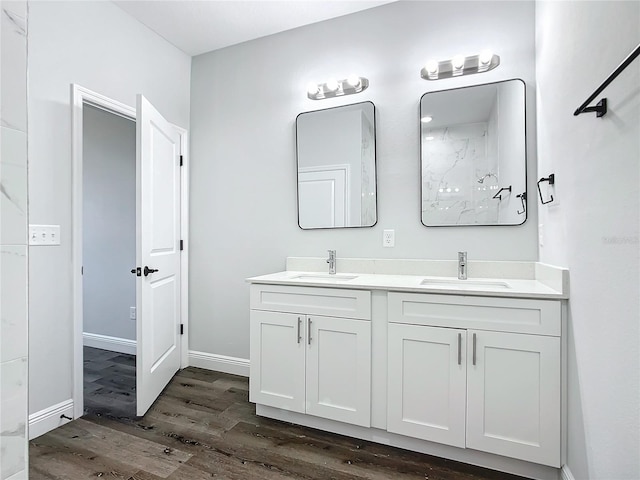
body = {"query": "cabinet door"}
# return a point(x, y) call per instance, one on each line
point(277, 360)
point(514, 396)
point(339, 369)
point(427, 383)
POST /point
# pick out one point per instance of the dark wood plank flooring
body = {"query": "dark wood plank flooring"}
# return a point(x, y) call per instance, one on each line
point(109, 383)
point(204, 427)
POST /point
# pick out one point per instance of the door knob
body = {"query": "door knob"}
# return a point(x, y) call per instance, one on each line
point(148, 270)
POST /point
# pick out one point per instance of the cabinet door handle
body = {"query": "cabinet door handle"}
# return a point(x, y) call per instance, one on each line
point(459, 349)
point(474, 348)
point(309, 330)
point(299, 324)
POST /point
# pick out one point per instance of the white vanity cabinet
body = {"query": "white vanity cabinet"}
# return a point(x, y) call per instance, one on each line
point(476, 372)
point(311, 351)
point(513, 396)
point(427, 382)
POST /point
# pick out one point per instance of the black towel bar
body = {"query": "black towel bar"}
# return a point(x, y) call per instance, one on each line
point(600, 108)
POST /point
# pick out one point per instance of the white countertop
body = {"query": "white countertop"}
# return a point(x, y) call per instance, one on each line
point(480, 286)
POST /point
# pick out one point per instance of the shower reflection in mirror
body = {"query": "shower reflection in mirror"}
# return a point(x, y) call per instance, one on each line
point(473, 155)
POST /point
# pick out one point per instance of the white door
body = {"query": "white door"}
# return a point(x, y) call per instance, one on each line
point(323, 201)
point(427, 377)
point(514, 395)
point(157, 253)
point(339, 369)
point(277, 351)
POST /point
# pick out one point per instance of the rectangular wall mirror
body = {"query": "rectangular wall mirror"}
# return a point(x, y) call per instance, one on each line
point(474, 155)
point(336, 152)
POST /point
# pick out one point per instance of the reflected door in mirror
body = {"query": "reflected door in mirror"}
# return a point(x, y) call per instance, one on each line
point(336, 167)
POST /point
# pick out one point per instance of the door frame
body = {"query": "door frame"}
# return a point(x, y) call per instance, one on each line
point(79, 97)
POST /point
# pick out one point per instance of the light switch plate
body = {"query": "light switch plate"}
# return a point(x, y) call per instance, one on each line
point(44, 235)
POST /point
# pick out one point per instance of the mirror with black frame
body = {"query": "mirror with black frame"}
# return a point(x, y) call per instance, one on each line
point(336, 155)
point(474, 155)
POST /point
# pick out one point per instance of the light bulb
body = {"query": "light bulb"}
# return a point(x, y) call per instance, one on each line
point(332, 85)
point(428, 139)
point(312, 89)
point(426, 119)
point(431, 67)
point(457, 62)
point(353, 80)
point(485, 57)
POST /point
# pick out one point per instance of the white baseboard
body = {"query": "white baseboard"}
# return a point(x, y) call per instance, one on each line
point(565, 473)
point(113, 344)
point(21, 475)
point(219, 363)
point(46, 420)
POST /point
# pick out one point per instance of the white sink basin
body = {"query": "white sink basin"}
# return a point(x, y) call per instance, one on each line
point(325, 277)
point(464, 284)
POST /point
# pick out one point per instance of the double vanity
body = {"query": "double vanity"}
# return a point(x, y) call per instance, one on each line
point(403, 353)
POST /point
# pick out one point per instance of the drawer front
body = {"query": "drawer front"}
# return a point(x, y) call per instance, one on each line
point(332, 302)
point(541, 317)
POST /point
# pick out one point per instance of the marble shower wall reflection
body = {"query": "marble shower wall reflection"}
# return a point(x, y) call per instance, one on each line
point(473, 146)
point(13, 241)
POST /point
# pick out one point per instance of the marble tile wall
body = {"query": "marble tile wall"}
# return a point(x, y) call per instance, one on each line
point(13, 241)
point(458, 176)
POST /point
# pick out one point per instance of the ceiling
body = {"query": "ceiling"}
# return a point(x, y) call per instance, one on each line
point(197, 27)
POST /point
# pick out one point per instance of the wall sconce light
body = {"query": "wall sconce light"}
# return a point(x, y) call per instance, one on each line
point(460, 65)
point(336, 88)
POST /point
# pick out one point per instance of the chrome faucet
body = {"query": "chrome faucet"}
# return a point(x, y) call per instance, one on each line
point(332, 262)
point(462, 265)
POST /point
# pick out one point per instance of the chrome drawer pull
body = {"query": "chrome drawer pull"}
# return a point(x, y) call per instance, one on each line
point(474, 348)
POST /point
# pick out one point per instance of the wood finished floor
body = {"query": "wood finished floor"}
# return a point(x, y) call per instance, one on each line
point(109, 383)
point(203, 427)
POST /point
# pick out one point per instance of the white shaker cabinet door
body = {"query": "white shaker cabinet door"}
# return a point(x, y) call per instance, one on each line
point(277, 375)
point(514, 395)
point(339, 369)
point(427, 383)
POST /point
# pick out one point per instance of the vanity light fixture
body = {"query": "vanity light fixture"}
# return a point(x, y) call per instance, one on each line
point(332, 85)
point(460, 65)
point(336, 88)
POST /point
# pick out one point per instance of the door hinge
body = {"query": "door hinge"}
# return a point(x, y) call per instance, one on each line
point(182, 329)
point(81, 270)
point(181, 244)
point(181, 160)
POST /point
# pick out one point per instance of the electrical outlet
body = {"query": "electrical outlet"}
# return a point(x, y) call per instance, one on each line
point(388, 238)
point(132, 313)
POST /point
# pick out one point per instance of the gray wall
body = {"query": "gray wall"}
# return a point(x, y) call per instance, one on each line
point(98, 46)
point(109, 223)
point(245, 100)
point(593, 226)
point(13, 240)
